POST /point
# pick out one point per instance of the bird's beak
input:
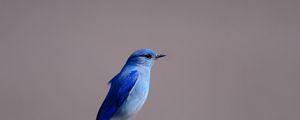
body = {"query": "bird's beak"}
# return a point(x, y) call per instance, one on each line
point(159, 56)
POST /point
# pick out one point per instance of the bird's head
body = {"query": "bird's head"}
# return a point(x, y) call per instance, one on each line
point(144, 57)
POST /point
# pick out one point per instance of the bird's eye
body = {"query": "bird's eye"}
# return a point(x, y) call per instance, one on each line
point(148, 56)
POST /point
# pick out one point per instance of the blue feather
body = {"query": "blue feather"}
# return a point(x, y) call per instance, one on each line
point(119, 91)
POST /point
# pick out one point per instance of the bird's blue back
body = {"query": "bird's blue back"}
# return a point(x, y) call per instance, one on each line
point(121, 85)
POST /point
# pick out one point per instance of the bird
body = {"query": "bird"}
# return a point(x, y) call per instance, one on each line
point(129, 88)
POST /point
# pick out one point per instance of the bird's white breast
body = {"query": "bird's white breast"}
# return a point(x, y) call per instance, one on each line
point(136, 98)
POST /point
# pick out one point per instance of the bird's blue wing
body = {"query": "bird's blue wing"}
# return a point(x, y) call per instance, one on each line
point(119, 90)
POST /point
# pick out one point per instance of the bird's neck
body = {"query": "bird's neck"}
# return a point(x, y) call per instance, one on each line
point(138, 67)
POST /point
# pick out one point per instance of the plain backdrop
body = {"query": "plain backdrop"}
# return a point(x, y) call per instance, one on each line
point(227, 59)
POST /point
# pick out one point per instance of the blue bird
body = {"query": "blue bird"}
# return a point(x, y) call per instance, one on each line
point(129, 88)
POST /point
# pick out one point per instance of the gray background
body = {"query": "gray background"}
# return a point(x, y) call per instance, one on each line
point(227, 59)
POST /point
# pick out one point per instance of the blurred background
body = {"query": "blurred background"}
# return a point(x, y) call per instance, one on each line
point(227, 59)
